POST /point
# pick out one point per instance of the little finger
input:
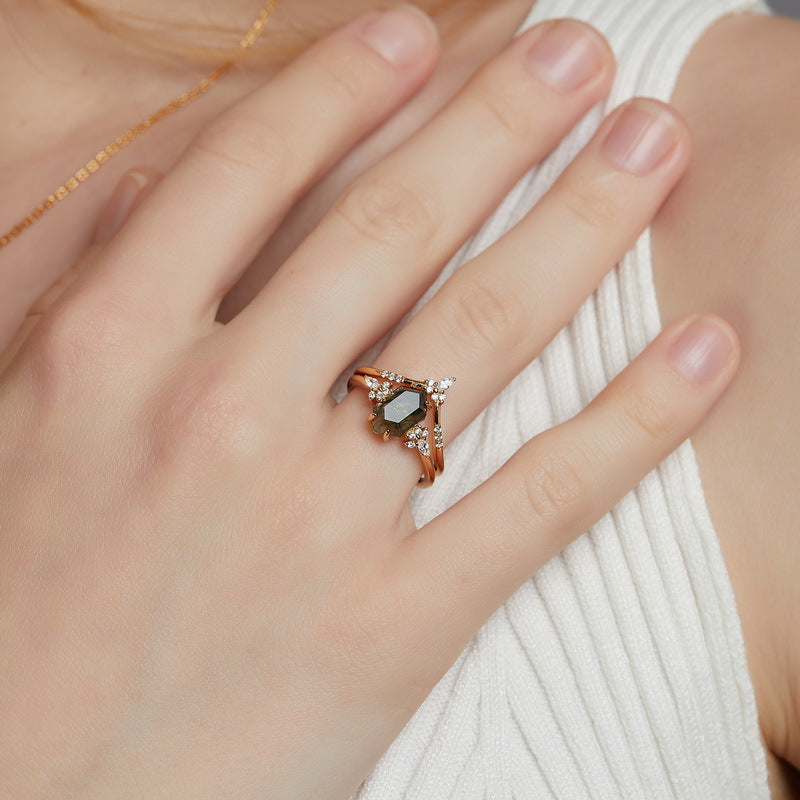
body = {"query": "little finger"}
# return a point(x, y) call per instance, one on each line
point(455, 571)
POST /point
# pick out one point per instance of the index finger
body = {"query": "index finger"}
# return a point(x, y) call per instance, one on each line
point(242, 174)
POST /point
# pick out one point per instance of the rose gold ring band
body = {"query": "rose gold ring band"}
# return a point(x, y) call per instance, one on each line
point(400, 407)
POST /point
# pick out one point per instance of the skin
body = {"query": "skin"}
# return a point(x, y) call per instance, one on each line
point(744, 178)
point(690, 231)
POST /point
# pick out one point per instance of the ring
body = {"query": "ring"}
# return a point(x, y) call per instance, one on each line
point(401, 407)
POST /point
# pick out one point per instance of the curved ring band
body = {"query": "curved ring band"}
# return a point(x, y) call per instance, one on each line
point(400, 406)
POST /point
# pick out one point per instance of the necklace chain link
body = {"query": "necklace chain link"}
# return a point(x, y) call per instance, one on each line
point(111, 149)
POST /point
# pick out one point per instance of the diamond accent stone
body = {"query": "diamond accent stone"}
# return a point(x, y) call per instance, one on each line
point(380, 390)
point(418, 437)
point(437, 389)
point(392, 376)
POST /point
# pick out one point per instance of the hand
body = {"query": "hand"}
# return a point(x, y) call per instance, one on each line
point(211, 582)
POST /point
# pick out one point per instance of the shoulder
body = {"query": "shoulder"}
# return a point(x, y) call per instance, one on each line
point(728, 241)
point(738, 92)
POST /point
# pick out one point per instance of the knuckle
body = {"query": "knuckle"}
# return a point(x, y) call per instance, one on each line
point(484, 314)
point(389, 212)
point(76, 340)
point(593, 208)
point(507, 109)
point(554, 491)
point(649, 413)
point(247, 147)
point(212, 416)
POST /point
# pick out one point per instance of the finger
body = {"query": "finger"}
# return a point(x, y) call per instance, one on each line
point(496, 313)
point(242, 173)
point(455, 571)
point(130, 191)
point(378, 249)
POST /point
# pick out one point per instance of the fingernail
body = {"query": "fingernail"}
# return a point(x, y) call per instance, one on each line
point(120, 205)
point(401, 35)
point(567, 55)
point(701, 351)
point(643, 135)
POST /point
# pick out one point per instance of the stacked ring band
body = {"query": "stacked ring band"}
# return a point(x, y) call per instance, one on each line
point(400, 408)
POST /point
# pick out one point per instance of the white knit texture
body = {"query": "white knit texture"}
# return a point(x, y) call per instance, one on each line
point(618, 670)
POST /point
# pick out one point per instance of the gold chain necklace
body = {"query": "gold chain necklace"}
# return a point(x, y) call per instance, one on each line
point(94, 164)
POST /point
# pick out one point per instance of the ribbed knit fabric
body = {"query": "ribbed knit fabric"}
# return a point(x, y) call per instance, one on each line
point(618, 670)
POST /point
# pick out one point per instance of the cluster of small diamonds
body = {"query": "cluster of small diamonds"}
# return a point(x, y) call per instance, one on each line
point(436, 389)
point(437, 436)
point(378, 391)
point(418, 437)
point(392, 376)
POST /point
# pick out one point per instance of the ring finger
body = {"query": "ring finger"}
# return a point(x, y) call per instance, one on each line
point(497, 312)
point(384, 240)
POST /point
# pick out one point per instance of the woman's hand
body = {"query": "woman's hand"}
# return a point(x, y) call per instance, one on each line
point(211, 582)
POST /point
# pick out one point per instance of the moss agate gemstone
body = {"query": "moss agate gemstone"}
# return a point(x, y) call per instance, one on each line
point(403, 409)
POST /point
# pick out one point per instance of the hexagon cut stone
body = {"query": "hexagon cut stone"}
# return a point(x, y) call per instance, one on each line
point(403, 409)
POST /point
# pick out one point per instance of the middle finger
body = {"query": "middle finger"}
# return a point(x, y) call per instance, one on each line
point(379, 247)
point(496, 313)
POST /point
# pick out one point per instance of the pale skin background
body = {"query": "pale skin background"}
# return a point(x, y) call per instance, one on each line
point(725, 242)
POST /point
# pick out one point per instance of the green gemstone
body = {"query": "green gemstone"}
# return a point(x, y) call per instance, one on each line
point(402, 410)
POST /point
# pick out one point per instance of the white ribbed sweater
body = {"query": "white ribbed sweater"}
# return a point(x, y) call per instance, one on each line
point(618, 670)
